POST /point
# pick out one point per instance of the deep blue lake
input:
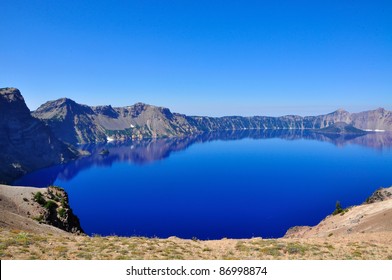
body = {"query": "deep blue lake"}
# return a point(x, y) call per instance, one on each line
point(235, 185)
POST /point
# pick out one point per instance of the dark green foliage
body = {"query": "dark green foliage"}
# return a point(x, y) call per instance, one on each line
point(39, 198)
point(63, 203)
point(50, 204)
point(39, 218)
point(339, 209)
point(61, 212)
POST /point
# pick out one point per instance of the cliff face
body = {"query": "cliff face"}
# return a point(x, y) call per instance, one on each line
point(75, 123)
point(376, 119)
point(25, 142)
point(56, 210)
point(71, 122)
point(40, 210)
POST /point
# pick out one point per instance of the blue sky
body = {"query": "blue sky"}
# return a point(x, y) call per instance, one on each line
point(201, 57)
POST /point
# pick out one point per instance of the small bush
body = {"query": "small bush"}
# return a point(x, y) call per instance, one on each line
point(63, 203)
point(50, 204)
point(39, 218)
point(39, 198)
point(61, 212)
point(338, 208)
point(22, 235)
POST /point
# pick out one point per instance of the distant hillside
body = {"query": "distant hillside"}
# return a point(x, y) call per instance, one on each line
point(25, 142)
point(75, 123)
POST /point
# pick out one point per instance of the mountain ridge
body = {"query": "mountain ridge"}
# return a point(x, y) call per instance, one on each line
point(80, 124)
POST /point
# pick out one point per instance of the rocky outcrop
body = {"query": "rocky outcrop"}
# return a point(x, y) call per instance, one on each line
point(56, 210)
point(75, 123)
point(381, 194)
point(341, 128)
point(40, 210)
point(26, 143)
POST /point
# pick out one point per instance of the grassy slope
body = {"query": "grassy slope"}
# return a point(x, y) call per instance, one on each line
point(16, 244)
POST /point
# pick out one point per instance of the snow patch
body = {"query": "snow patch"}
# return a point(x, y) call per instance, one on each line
point(109, 139)
point(375, 130)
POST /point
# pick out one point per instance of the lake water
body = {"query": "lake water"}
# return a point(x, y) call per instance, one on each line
point(235, 185)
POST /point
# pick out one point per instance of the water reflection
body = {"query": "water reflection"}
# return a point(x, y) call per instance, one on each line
point(150, 150)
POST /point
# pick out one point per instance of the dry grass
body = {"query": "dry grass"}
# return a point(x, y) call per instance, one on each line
point(16, 244)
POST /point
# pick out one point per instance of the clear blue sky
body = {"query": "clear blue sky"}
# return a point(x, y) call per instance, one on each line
point(201, 57)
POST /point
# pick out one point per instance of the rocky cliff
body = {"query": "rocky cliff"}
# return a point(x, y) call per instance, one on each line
point(25, 142)
point(40, 210)
point(75, 123)
point(379, 119)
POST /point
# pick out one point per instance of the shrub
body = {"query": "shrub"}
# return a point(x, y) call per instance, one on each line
point(339, 209)
point(63, 203)
point(39, 218)
point(61, 212)
point(50, 204)
point(39, 198)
